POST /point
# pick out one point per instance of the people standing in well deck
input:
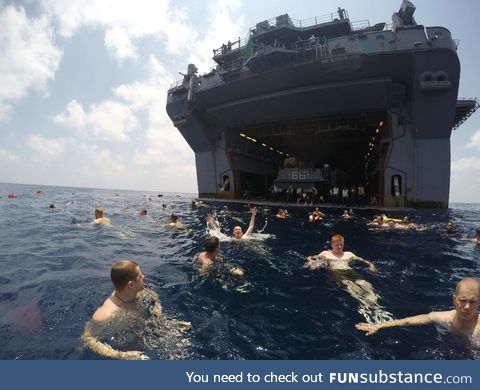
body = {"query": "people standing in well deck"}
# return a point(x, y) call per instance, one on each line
point(361, 195)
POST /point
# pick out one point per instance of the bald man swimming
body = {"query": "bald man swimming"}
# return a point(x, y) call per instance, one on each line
point(462, 320)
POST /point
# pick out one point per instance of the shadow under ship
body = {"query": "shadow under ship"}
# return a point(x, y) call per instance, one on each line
point(326, 101)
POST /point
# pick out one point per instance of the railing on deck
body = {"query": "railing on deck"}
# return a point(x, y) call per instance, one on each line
point(282, 20)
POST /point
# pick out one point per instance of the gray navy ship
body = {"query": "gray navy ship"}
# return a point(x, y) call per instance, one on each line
point(323, 102)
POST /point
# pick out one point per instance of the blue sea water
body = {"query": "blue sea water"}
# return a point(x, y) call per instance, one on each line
point(55, 272)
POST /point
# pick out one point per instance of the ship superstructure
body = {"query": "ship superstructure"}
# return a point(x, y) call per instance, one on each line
point(326, 101)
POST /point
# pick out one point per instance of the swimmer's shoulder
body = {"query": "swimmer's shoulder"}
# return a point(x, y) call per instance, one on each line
point(443, 318)
point(325, 254)
point(106, 311)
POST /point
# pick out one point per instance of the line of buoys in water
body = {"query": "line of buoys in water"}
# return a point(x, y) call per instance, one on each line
point(11, 196)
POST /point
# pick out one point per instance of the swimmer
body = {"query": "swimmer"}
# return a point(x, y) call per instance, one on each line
point(450, 229)
point(336, 258)
point(476, 239)
point(407, 222)
point(174, 222)
point(237, 232)
point(337, 261)
point(346, 215)
point(100, 219)
point(377, 221)
point(463, 320)
point(399, 225)
point(127, 278)
point(210, 259)
point(52, 206)
point(282, 214)
point(224, 211)
point(143, 213)
point(128, 306)
point(198, 203)
point(316, 215)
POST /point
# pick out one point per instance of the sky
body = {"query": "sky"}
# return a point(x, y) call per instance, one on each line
point(83, 84)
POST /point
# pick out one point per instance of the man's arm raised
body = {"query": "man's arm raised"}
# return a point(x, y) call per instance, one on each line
point(253, 210)
point(211, 223)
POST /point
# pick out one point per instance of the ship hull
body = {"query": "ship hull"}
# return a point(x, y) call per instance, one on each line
point(376, 118)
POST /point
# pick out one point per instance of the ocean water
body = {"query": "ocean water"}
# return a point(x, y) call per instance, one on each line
point(55, 272)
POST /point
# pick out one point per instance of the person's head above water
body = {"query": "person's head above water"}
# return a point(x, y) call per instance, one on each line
point(237, 232)
point(98, 212)
point(126, 274)
point(450, 228)
point(173, 218)
point(466, 298)
point(212, 245)
point(337, 241)
point(477, 232)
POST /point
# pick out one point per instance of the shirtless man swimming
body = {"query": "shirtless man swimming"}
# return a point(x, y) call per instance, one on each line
point(237, 231)
point(174, 222)
point(316, 215)
point(210, 259)
point(100, 219)
point(127, 278)
point(463, 320)
point(129, 306)
point(337, 261)
point(336, 258)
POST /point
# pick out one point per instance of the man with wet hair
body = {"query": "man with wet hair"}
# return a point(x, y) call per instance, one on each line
point(127, 315)
point(463, 320)
point(337, 261)
point(127, 279)
point(174, 222)
point(210, 259)
point(450, 228)
point(336, 258)
point(100, 219)
point(237, 231)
